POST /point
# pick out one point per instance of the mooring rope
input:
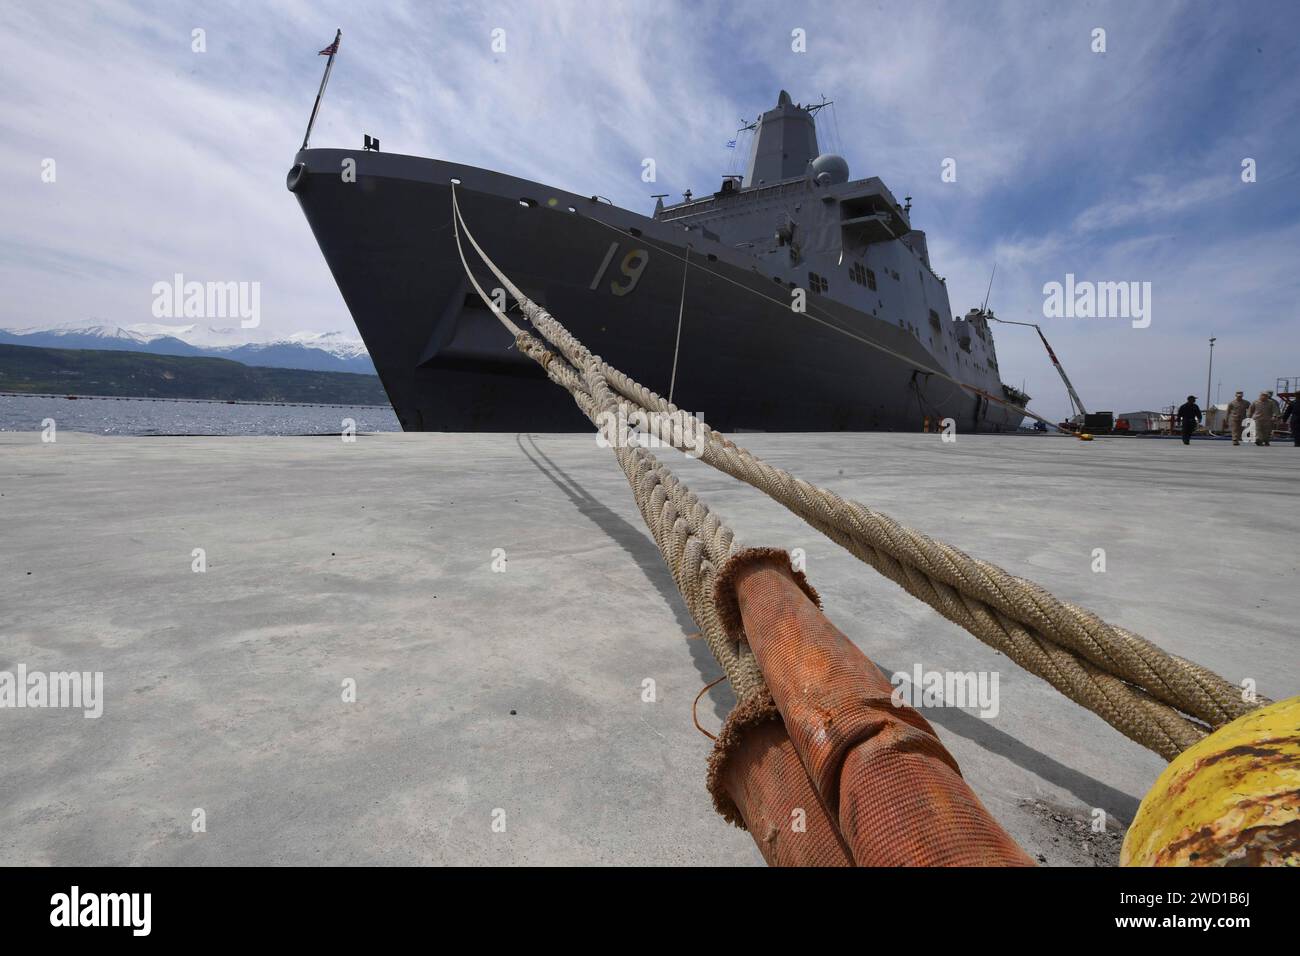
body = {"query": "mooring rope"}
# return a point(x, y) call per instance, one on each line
point(693, 541)
point(1157, 699)
point(1129, 682)
point(681, 312)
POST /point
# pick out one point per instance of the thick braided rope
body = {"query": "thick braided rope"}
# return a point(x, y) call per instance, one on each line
point(694, 544)
point(1128, 709)
point(1126, 680)
point(693, 541)
point(870, 534)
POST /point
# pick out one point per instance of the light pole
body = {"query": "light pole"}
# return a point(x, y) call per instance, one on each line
point(1208, 375)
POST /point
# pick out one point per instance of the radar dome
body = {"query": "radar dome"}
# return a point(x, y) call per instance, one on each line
point(829, 170)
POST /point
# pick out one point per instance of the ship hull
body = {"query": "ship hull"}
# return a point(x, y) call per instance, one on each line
point(744, 360)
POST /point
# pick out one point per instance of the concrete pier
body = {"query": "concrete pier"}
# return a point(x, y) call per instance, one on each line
point(501, 611)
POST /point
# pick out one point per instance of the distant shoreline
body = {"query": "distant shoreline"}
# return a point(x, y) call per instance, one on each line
point(71, 396)
point(118, 373)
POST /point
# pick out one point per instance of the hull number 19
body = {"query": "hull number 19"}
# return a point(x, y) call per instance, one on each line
point(631, 267)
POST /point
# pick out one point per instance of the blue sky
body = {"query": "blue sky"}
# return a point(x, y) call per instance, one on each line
point(1115, 166)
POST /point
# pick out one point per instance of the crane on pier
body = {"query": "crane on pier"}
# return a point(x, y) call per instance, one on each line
point(1075, 401)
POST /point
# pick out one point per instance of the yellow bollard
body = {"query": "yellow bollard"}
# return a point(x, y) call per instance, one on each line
point(1231, 800)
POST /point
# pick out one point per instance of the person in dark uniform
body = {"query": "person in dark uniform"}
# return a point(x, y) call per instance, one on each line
point(1190, 413)
point(1292, 417)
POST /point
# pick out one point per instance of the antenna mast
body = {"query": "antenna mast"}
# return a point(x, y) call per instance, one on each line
point(985, 307)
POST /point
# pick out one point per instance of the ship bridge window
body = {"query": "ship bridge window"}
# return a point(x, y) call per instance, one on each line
point(862, 275)
point(818, 283)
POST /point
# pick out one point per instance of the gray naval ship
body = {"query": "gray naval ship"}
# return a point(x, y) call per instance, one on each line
point(696, 300)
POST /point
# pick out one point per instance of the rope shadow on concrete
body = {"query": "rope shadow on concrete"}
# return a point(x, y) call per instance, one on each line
point(638, 545)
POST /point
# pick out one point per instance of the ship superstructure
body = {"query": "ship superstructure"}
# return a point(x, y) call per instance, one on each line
point(799, 215)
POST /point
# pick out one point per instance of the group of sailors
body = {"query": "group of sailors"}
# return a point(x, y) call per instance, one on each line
point(1264, 412)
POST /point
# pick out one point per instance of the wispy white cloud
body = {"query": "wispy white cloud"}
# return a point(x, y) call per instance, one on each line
point(1155, 197)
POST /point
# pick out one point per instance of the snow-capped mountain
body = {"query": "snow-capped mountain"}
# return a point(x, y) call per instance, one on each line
point(103, 333)
point(336, 343)
point(200, 336)
point(319, 351)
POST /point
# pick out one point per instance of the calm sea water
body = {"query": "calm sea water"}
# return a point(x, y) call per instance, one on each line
point(116, 416)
